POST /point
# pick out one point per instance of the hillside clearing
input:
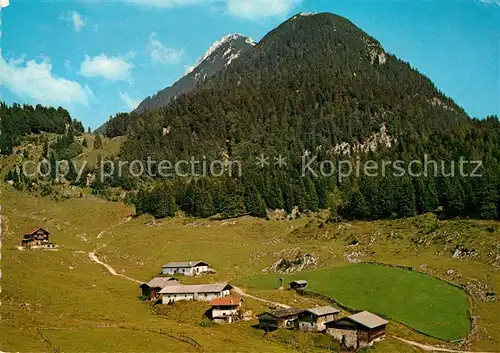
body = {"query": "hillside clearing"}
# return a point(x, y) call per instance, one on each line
point(422, 302)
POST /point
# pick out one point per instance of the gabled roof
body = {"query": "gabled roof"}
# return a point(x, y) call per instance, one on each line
point(226, 301)
point(367, 319)
point(161, 282)
point(324, 310)
point(196, 288)
point(283, 313)
point(185, 264)
point(34, 230)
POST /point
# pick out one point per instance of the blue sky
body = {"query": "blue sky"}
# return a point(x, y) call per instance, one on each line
point(98, 58)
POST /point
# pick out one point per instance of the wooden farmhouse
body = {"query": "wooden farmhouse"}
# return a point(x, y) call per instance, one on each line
point(276, 319)
point(151, 289)
point(37, 238)
point(188, 268)
point(197, 292)
point(226, 309)
point(314, 319)
point(358, 330)
point(299, 284)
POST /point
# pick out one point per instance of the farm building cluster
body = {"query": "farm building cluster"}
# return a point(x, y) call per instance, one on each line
point(37, 238)
point(168, 290)
point(354, 331)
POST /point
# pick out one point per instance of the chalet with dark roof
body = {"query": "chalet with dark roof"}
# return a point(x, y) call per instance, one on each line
point(37, 238)
point(358, 330)
point(279, 318)
point(151, 289)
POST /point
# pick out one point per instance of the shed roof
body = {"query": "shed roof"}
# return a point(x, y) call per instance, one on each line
point(323, 310)
point(226, 301)
point(300, 281)
point(367, 319)
point(161, 282)
point(34, 230)
point(196, 288)
point(282, 313)
point(185, 264)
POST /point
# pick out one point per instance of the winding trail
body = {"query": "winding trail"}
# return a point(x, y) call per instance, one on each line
point(94, 258)
point(244, 294)
point(102, 232)
point(428, 348)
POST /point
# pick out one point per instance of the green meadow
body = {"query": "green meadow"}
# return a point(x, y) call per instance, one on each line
point(422, 302)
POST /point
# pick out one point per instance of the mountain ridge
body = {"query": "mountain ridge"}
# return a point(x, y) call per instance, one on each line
point(218, 56)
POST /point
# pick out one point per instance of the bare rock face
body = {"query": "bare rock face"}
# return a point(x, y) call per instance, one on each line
point(354, 257)
point(294, 262)
point(376, 141)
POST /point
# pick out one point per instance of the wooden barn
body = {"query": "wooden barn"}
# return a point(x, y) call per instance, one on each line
point(314, 319)
point(151, 289)
point(275, 319)
point(37, 237)
point(357, 331)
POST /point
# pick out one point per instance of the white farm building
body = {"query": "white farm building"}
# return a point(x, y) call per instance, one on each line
point(188, 268)
point(198, 292)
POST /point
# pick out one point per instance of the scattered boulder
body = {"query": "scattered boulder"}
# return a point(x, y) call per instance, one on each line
point(291, 264)
point(354, 257)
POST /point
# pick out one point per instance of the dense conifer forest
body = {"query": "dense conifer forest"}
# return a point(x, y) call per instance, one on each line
point(18, 121)
point(311, 85)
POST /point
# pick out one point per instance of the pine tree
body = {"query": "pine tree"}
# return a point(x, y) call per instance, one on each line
point(71, 174)
point(163, 201)
point(204, 206)
point(311, 196)
point(255, 205)
point(357, 207)
point(45, 151)
point(98, 142)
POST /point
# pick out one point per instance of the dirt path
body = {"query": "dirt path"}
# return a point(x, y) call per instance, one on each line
point(94, 258)
point(244, 294)
point(428, 348)
point(102, 232)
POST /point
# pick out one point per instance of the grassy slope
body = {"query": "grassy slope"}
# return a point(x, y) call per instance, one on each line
point(401, 295)
point(70, 299)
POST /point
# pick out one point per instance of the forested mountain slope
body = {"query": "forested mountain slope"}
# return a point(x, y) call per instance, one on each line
point(218, 57)
point(317, 88)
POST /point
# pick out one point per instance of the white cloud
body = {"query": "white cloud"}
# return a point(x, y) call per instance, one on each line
point(111, 68)
point(78, 21)
point(491, 2)
point(130, 103)
point(165, 3)
point(246, 9)
point(251, 9)
point(35, 80)
point(4, 3)
point(160, 54)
